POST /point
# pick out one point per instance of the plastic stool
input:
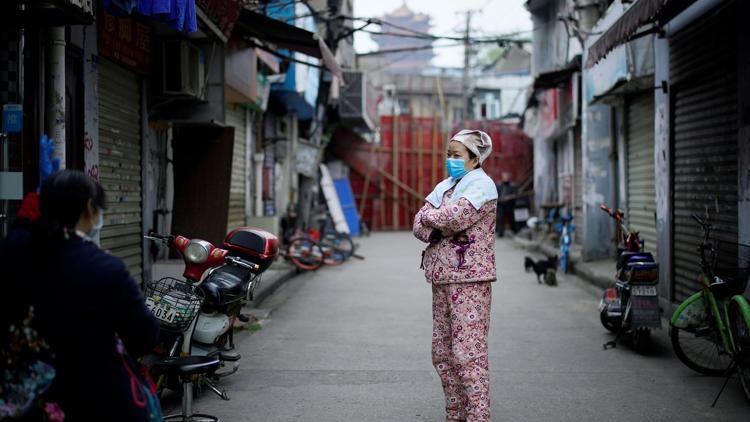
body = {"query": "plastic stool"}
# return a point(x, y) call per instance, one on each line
point(184, 368)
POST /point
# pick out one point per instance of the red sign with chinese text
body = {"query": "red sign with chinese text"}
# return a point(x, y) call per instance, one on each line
point(224, 13)
point(125, 41)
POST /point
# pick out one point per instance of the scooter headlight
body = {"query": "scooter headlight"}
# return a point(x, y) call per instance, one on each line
point(197, 252)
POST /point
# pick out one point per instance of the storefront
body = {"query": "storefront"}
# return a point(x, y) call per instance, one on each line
point(703, 80)
point(639, 158)
point(120, 162)
point(236, 116)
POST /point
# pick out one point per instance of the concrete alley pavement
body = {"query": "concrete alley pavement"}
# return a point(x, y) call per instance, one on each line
point(352, 343)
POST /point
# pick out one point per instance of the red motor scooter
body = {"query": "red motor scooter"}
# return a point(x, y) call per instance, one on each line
point(197, 314)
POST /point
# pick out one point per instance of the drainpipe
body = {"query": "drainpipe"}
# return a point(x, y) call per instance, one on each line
point(55, 111)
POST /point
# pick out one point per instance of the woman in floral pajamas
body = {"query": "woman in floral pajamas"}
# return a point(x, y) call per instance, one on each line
point(458, 223)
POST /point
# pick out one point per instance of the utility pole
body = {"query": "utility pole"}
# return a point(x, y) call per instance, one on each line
point(465, 77)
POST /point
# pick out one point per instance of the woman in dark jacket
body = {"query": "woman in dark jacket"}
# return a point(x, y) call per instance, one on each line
point(83, 300)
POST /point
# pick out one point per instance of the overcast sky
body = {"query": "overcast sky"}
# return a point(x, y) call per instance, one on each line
point(497, 17)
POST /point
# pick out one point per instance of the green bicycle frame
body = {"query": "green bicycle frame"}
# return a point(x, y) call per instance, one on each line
point(719, 310)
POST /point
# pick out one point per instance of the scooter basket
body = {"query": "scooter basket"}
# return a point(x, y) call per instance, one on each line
point(732, 267)
point(175, 303)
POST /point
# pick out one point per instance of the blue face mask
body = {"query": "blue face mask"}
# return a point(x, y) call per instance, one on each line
point(456, 167)
point(97, 228)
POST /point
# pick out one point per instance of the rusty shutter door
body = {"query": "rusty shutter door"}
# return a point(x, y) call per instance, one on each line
point(235, 116)
point(641, 186)
point(703, 65)
point(120, 163)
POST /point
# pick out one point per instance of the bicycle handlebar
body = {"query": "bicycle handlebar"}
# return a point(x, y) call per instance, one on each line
point(612, 213)
point(166, 238)
point(699, 220)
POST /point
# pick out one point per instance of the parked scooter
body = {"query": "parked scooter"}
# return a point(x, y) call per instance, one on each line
point(217, 280)
point(632, 306)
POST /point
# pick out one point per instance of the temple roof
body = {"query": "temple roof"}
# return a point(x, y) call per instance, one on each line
point(405, 12)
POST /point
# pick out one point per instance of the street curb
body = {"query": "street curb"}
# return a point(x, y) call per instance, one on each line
point(583, 271)
point(269, 287)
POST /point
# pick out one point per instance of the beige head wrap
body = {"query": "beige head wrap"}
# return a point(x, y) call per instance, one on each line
point(475, 141)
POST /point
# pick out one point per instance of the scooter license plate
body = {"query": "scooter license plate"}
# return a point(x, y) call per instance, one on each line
point(161, 311)
point(643, 291)
point(645, 311)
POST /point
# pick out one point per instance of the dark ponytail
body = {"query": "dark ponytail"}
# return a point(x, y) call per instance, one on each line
point(63, 197)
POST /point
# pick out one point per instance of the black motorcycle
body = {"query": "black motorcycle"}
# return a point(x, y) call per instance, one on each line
point(632, 306)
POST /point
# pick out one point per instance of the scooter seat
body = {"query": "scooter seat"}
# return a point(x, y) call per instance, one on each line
point(225, 285)
point(627, 257)
point(185, 366)
point(642, 266)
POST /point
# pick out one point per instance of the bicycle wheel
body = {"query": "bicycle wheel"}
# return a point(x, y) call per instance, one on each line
point(305, 254)
point(345, 245)
point(332, 252)
point(699, 345)
point(741, 337)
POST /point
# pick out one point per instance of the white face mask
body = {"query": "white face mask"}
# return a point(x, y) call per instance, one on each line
point(97, 227)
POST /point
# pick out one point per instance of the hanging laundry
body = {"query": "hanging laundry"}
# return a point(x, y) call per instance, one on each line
point(177, 14)
point(154, 7)
point(191, 22)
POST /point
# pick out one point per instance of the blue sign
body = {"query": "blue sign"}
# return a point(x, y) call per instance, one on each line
point(12, 118)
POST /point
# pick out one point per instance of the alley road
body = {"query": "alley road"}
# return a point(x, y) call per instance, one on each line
point(353, 344)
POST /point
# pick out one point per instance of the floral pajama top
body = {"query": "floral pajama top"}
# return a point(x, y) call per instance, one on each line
point(461, 241)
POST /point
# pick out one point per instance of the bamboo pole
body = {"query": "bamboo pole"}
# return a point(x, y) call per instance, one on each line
point(435, 124)
point(412, 167)
point(363, 201)
point(394, 165)
point(420, 163)
point(382, 201)
point(398, 184)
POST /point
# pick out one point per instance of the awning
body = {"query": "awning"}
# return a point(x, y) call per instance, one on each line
point(640, 13)
point(555, 78)
point(282, 35)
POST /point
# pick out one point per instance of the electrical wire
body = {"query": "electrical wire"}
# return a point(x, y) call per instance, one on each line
point(425, 35)
point(253, 43)
point(400, 50)
point(435, 38)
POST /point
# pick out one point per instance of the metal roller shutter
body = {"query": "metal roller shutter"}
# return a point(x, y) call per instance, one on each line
point(120, 163)
point(641, 186)
point(704, 84)
point(235, 116)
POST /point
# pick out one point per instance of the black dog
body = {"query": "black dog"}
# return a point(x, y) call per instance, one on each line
point(542, 268)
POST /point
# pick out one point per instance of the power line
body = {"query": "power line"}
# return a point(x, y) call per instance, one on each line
point(279, 55)
point(425, 35)
point(400, 50)
point(503, 38)
point(487, 3)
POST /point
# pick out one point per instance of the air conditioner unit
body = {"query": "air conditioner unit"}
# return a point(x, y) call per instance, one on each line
point(357, 104)
point(183, 70)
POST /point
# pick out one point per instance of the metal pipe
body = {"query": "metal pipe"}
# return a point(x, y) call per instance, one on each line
point(56, 91)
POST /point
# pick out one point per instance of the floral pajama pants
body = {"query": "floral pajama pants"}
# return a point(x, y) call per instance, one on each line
point(461, 321)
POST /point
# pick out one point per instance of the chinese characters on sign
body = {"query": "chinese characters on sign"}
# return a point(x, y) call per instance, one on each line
point(126, 41)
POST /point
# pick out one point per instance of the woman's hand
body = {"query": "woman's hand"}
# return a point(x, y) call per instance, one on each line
point(436, 236)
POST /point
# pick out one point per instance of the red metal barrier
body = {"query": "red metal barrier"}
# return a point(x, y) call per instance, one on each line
point(390, 180)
